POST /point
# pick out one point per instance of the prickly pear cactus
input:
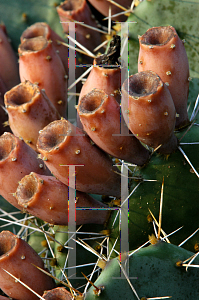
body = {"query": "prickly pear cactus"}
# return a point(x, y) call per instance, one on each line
point(180, 172)
point(154, 271)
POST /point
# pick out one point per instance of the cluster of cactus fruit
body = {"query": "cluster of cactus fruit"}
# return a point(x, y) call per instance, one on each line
point(135, 144)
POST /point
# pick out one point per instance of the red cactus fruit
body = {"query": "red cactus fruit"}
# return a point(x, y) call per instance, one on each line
point(105, 74)
point(17, 257)
point(103, 7)
point(61, 143)
point(59, 293)
point(162, 51)
point(43, 29)
point(39, 63)
point(17, 159)
point(149, 111)
point(105, 78)
point(100, 116)
point(8, 61)
point(78, 10)
point(47, 198)
point(27, 104)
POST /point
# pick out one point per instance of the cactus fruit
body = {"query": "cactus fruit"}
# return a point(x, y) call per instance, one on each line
point(100, 111)
point(162, 51)
point(149, 111)
point(26, 103)
point(43, 29)
point(79, 11)
point(19, 259)
point(8, 62)
point(47, 198)
point(104, 77)
point(58, 293)
point(62, 144)
point(17, 159)
point(40, 63)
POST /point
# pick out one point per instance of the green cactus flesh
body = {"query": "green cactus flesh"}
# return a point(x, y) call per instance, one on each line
point(152, 272)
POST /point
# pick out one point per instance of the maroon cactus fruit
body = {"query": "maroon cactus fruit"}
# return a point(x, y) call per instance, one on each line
point(149, 110)
point(105, 78)
point(100, 116)
point(43, 29)
point(61, 143)
point(27, 104)
point(47, 198)
point(39, 63)
point(8, 61)
point(17, 159)
point(18, 258)
point(78, 10)
point(162, 51)
point(57, 294)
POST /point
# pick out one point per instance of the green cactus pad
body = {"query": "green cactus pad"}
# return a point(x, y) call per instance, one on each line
point(153, 273)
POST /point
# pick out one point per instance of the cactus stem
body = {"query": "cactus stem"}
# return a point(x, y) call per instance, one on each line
point(18, 280)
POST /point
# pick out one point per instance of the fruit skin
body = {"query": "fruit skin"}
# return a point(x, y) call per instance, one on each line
point(62, 144)
point(8, 61)
point(149, 111)
point(100, 117)
point(58, 293)
point(39, 63)
point(18, 258)
point(152, 272)
point(47, 198)
point(17, 159)
point(162, 51)
point(104, 78)
point(27, 104)
point(43, 29)
point(163, 13)
point(78, 10)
